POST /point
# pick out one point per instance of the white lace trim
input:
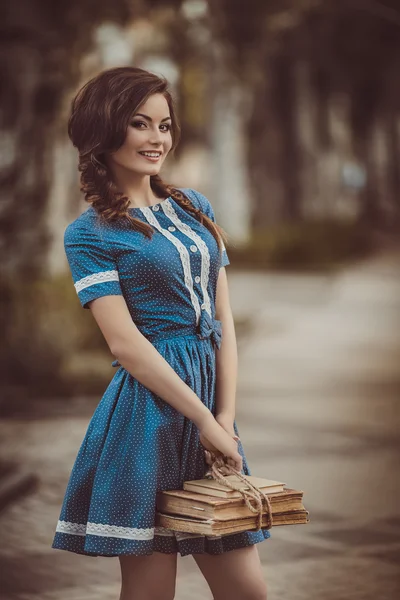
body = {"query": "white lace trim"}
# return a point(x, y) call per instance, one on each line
point(101, 277)
point(105, 530)
point(212, 218)
point(205, 255)
point(72, 528)
point(128, 533)
point(184, 255)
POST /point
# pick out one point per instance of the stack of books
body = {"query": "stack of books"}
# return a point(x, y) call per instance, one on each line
point(209, 508)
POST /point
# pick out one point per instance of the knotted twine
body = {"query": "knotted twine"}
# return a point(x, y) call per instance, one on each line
point(217, 464)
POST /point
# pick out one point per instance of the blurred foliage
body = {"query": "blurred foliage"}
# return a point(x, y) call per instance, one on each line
point(43, 43)
point(318, 245)
point(67, 355)
point(41, 50)
point(350, 49)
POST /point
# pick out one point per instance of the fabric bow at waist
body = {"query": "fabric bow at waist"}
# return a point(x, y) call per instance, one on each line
point(206, 328)
point(210, 328)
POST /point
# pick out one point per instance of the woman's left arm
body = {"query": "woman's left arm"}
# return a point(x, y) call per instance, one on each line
point(226, 358)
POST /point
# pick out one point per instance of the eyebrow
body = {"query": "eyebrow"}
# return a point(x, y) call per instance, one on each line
point(150, 119)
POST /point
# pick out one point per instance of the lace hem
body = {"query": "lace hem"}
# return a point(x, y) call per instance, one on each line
point(105, 530)
point(128, 533)
point(71, 528)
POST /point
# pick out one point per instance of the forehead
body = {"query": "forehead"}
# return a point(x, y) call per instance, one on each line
point(155, 106)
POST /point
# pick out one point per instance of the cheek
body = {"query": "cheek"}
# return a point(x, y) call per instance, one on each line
point(168, 142)
point(130, 146)
point(133, 139)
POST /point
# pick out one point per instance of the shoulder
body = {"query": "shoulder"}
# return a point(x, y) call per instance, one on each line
point(82, 229)
point(200, 201)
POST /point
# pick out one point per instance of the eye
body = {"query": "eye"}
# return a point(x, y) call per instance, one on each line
point(137, 123)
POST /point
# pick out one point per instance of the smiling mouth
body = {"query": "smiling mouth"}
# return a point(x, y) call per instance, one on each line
point(151, 154)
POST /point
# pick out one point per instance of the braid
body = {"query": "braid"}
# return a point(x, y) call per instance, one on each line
point(111, 205)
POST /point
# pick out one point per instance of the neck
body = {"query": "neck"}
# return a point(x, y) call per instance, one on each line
point(135, 186)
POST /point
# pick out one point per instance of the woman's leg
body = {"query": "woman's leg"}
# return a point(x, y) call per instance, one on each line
point(149, 577)
point(236, 574)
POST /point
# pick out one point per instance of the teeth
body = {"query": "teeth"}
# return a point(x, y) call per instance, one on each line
point(151, 154)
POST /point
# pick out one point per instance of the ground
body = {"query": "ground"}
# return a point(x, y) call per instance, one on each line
point(318, 408)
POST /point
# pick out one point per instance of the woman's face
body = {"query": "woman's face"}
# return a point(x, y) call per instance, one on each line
point(149, 132)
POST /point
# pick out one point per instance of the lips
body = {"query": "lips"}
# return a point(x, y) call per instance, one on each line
point(150, 153)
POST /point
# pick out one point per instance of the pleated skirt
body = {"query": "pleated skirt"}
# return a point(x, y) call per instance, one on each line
point(136, 445)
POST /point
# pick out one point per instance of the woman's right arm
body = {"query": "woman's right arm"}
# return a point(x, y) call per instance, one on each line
point(141, 359)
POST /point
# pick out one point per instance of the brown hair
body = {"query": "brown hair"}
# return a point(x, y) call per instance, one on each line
point(100, 115)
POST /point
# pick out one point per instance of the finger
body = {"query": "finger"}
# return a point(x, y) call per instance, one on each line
point(235, 463)
point(239, 463)
point(231, 462)
point(208, 457)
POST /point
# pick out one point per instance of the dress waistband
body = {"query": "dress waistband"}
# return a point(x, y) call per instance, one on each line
point(207, 328)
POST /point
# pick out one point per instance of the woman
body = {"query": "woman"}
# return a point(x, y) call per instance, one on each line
point(148, 260)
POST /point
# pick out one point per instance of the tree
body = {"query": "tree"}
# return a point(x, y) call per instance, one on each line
point(42, 43)
point(348, 48)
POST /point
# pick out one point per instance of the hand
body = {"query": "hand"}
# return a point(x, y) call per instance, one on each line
point(217, 440)
point(226, 421)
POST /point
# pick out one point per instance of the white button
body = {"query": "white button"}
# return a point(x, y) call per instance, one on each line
point(193, 248)
point(171, 228)
point(197, 279)
point(203, 306)
point(156, 207)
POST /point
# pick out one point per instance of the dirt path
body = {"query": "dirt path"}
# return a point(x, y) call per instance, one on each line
point(318, 407)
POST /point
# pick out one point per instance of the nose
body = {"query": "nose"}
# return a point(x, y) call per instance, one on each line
point(155, 137)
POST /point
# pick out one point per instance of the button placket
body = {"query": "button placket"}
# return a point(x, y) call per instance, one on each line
point(184, 257)
point(199, 245)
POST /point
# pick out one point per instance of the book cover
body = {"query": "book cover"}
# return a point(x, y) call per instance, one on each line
point(203, 507)
point(211, 527)
point(213, 488)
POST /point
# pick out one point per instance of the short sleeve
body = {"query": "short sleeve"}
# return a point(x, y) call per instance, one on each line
point(206, 207)
point(93, 268)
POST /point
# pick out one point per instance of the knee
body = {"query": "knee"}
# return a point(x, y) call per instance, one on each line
point(258, 591)
point(255, 591)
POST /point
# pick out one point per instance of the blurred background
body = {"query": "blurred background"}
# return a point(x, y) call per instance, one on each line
point(290, 115)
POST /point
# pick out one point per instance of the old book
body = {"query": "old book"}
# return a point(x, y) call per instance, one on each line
point(200, 506)
point(210, 487)
point(212, 527)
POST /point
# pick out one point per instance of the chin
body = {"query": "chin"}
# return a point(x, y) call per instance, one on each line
point(148, 171)
point(152, 172)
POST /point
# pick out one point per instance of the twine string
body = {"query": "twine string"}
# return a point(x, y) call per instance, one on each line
point(253, 494)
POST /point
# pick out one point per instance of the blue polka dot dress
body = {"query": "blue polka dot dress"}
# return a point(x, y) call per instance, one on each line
point(137, 444)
